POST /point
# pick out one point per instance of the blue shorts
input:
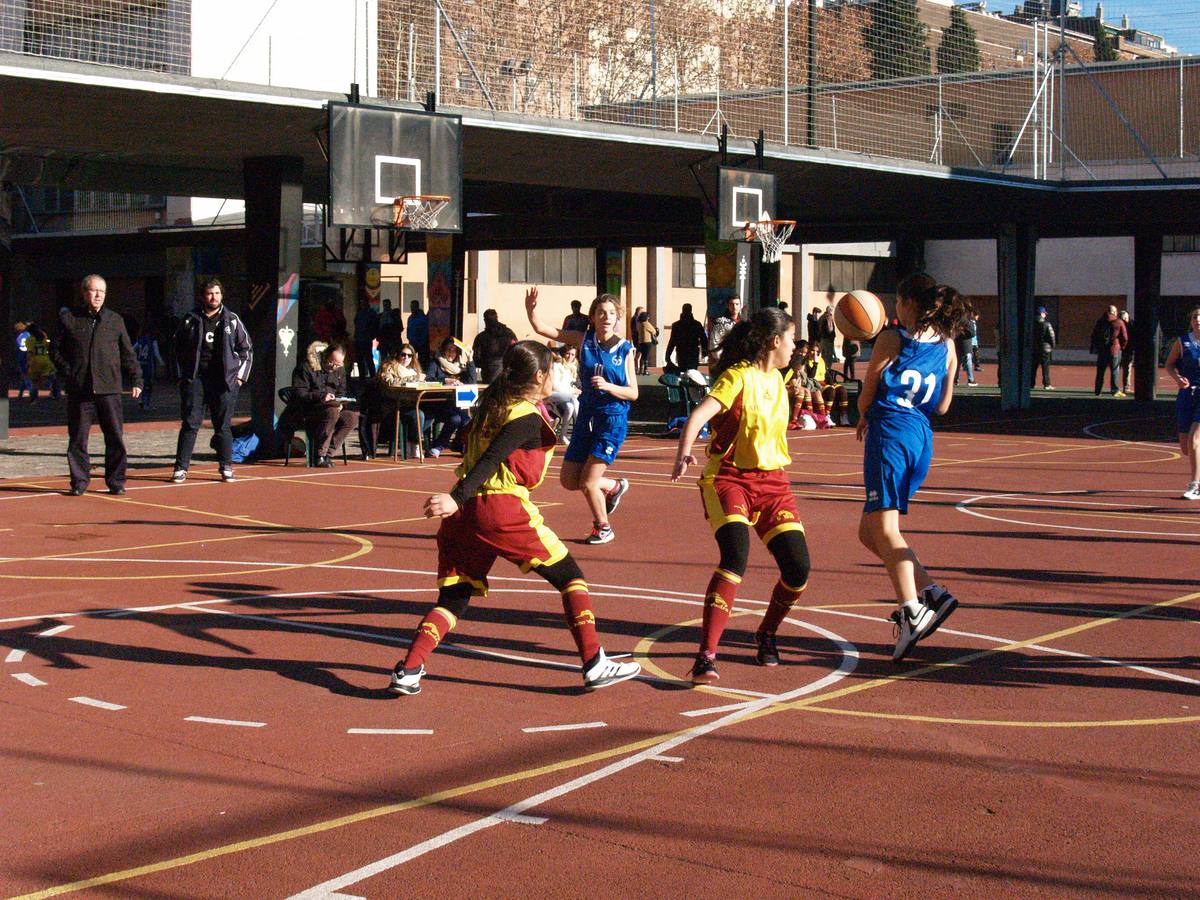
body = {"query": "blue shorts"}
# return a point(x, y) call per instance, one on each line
point(895, 463)
point(1187, 408)
point(597, 434)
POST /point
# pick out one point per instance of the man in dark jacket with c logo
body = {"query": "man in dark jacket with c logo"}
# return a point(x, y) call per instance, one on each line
point(214, 355)
point(90, 353)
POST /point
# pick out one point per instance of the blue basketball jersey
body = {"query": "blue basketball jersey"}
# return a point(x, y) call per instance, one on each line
point(912, 384)
point(1188, 364)
point(611, 365)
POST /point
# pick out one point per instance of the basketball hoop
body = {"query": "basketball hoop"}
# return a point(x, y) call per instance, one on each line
point(418, 212)
point(772, 234)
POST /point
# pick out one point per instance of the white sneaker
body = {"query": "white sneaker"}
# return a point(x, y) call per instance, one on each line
point(1193, 491)
point(227, 474)
point(180, 476)
point(406, 682)
point(844, 421)
point(909, 629)
point(611, 501)
point(602, 671)
point(601, 534)
point(435, 452)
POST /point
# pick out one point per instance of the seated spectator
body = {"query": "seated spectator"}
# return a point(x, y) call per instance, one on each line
point(450, 365)
point(321, 390)
point(563, 402)
point(379, 403)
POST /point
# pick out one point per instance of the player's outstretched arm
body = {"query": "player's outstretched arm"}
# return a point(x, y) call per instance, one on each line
point(705, 410)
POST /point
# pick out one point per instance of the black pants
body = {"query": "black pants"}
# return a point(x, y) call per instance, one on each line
point(1041, 360)
point(365, 359)
point(83, 411)
point(195, 396)
point(1110, 362)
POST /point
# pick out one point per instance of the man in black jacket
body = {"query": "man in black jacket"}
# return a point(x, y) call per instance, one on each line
point(490, 346)
point(1044, 342)
point(687, 341)
point(214, 355)
point(90, 353)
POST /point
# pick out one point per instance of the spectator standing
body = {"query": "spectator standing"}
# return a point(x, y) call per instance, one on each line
point(1127, 352)
point(827, 330)
point(391, 331)
point(329, 324)
point(721, 327)
point(490, 345)
point(22, 331)
point(418, 332)
point(962, 346)
point(320, 388)
point(91, 351)
point(214, 356)
point(150, 360)
point(1109, 337)
point(366, 330)
point(812, 321)
point(687, 341)
point(645, 336)
point(1044, 342)
point(850, 351)
point(577, 320)
point(41, 368)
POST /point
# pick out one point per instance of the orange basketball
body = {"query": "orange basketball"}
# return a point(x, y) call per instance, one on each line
point(860, 315)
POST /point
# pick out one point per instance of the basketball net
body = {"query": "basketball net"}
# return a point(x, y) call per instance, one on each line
point(419, 212)
point(772, 234)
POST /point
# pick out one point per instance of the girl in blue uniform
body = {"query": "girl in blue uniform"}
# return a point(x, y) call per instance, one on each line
point(1183, 364)
point(909, 378)
point(609, 380)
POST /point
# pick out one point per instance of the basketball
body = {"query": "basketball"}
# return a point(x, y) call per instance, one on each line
point(860, 315)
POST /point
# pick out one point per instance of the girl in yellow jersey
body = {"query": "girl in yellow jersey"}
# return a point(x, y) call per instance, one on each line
point(744, 484)
point(488, 514)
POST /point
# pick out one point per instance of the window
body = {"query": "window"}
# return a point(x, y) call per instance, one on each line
point(838, 274)
point(688, 269)
point(571, 266)
point(1181, 243)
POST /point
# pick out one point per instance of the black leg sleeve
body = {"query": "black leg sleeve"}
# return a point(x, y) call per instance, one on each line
point(561, 573)
point(454, 598)
point(790, 550)
point(733, 540)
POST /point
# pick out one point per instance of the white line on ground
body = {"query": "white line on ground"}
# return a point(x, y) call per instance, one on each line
point(525, 820)
point(99, 704)
point(667, 759)
point(389, 731)
point(57, 629)
point(235, 722)
point(31, 680)
point(14, 656)
point(574, 727)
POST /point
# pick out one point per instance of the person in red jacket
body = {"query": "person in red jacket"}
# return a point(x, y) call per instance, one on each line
point(1109, 338)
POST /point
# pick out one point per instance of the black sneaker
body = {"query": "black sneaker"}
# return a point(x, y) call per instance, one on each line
point(942, 607)
point(611, 501)
point(704, 671)
point(768, 653)
point(601, 534)
point(407, 682)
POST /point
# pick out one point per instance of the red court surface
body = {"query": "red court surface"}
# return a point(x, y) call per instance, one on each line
point(194, 690)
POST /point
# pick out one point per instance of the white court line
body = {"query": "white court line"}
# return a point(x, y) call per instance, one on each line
point(964, 506)
point(14, 656)
point(389, 731)
point(99, 704)
point(31, 680)
point(235, 722)
point(575, 727)
point(57, 629)
point(667, 759)
point(523, 806)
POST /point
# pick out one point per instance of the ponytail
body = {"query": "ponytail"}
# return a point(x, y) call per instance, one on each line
point(749, 340)
point(518, 371)
point(939, 306)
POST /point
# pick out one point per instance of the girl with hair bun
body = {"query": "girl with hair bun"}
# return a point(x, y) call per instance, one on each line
point(910, 377)
point(745, 484)
point(488, 514)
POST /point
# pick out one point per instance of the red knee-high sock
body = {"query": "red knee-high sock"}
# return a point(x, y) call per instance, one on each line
point(718, 606)
point(783, 598)
point(438, 623)
point(577, 605)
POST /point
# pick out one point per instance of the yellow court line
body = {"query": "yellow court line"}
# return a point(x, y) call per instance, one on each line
point(994, 459)
point(599, 756)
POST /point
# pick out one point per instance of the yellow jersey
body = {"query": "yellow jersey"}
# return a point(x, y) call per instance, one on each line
point(524, 468)
point(750, 432)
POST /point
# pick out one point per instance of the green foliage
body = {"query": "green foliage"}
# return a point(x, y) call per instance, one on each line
point(958, 51)
point(895, 39)
point(1106, 46)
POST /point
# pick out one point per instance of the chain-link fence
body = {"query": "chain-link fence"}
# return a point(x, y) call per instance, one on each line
point(921, 80)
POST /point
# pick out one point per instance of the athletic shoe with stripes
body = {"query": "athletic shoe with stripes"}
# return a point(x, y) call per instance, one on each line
point(601, 671)
point(406, 682)
point(768, 653)
point(945, 604)
point(180, 476)
point(613, 499)
point(601, 534)
point(227, 474)
point(909, 629)
point(704, 671)
point(1193, 491)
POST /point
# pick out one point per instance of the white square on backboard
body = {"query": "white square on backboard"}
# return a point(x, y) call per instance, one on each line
point(410, 162)
point(745, 197)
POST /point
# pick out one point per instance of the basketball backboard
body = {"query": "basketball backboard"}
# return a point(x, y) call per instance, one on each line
point(743, 195)
point(377, 155)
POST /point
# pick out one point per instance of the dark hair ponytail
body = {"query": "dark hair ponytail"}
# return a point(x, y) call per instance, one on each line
point(518, 372)
point(749, 340)
point(944, 310)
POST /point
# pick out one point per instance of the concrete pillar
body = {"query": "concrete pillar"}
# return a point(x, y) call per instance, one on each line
point(272, 315)
point(1147, 294)
point(1016, 257)
point(658, 289)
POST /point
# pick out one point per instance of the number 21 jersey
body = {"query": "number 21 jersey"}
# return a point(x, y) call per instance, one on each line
point(912, 385)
